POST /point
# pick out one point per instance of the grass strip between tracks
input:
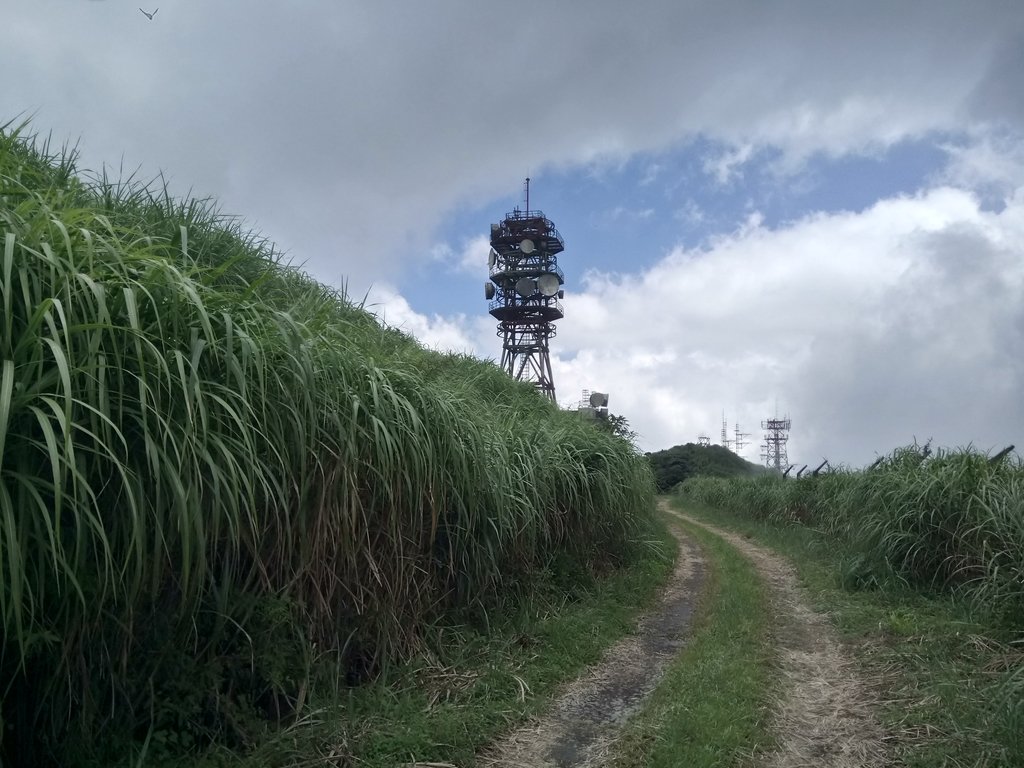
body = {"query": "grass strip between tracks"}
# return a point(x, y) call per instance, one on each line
point(713, 705)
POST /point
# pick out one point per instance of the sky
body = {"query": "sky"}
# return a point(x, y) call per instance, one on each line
point(806, 209)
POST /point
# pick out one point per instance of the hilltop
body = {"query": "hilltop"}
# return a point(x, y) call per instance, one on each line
point(673, 465)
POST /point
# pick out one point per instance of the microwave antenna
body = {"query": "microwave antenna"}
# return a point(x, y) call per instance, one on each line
point(524, 287)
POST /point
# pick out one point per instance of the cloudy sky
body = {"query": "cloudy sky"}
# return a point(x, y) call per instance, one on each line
point(813, 208)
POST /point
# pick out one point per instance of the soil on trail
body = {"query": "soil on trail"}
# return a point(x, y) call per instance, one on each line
point(585, 719)
point(824, 714)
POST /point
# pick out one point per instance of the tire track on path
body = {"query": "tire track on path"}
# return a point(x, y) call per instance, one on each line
point(824, 717)
point(586, 718)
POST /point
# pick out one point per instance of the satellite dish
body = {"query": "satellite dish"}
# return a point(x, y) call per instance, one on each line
point(527, 246)
point(492, 258)
point(488, 291)
point(599, 400)
point(526, 287)
point(548, 284)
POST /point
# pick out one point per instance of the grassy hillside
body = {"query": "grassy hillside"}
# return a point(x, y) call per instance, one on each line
point(217, 474)
point(676, 464)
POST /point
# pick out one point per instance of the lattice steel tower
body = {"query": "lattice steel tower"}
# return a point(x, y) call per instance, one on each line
point(524, 287)
point(740, 440)
point(773, 450)
point(726, 442)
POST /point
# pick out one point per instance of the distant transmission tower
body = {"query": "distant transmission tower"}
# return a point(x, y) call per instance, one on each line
point(725, 432)
point(773, 451)
point(524, 287)
point(704, 440)
point(740, 438)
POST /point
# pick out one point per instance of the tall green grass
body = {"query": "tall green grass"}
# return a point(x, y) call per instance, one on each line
point(214, 469)
point(948, 521)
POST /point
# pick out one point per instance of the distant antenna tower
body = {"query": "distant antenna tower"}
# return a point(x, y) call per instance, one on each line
point(740, 438)
point(725, 432)
point(704, 440)
point(523, 290)
point(773, 451)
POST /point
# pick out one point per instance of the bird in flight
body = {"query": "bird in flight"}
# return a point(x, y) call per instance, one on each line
point(149, 15)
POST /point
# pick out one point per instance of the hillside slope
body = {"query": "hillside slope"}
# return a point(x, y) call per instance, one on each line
point(214, 470)
point(674, 465)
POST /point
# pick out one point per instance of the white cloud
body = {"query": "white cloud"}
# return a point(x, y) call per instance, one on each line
point(441, 252)
point(727, 165)
point(473, 257)
point(346, 130)
point(870, 328)
point(433, 331)
point(470, 259)
point(992, 163)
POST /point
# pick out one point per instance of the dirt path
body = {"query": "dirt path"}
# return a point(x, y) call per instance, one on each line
point(824, 715)
point(583, 722)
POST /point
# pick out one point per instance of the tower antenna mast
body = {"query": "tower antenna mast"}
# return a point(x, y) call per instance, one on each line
point(773, 449)
point(524, 288)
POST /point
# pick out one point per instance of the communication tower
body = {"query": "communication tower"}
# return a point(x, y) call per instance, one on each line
point(773, 451)
point(523, 290)
point(704, 440)
point(739, 438)
point(725, 432)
